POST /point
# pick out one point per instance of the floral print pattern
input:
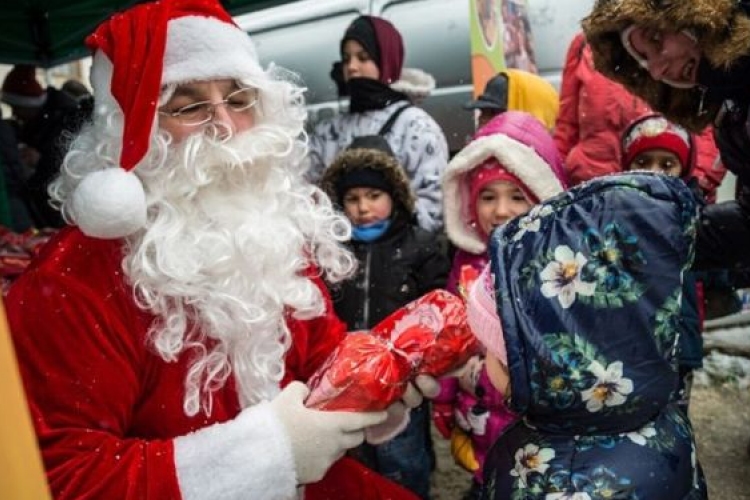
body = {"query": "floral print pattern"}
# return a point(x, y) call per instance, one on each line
point(589, 293)
point(561, 278)
point(610, 389)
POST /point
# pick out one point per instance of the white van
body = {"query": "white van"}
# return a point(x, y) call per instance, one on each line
point(304, 37)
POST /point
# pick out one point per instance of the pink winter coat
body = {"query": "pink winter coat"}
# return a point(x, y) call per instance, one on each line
point(594, 111)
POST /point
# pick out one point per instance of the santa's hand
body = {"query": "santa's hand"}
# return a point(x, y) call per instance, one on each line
point(319, 438)
point(398, 413)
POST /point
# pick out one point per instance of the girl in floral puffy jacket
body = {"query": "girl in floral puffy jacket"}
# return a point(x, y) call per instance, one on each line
point(510, 165)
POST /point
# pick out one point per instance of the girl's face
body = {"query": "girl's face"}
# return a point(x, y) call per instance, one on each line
point(669, 56)
point(657, 160)
point(357, 62)
point(498, 202)
point(366, 205)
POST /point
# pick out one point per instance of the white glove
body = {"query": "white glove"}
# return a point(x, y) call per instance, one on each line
point(318, 438)
point(398, 413)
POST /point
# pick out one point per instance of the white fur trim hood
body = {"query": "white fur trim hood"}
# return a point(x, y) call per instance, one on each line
point(415, 83)
point(518, 158)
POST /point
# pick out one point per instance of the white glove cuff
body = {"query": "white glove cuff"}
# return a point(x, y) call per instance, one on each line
point(248, 457)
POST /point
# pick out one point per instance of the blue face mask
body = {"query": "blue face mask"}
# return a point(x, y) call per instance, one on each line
point(370, 232)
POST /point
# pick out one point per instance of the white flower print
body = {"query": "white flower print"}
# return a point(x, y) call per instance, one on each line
point(610, 388)
point(530, 459)
point(641, 436)
point(561, 278)
point(575, 495)
point(531, 222)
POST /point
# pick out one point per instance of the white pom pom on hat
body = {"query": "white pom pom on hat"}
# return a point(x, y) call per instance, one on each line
point(109, 203)
point(136, 53)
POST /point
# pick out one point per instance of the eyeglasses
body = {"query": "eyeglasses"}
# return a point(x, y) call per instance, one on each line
point(198, 113)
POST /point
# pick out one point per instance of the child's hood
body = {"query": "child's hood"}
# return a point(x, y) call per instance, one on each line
point(721, 27)
point(522, 145)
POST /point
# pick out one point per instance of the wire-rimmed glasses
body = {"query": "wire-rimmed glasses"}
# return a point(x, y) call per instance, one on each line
point(198, 113)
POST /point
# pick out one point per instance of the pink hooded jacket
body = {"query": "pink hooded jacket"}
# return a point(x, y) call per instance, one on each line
point(522, 145)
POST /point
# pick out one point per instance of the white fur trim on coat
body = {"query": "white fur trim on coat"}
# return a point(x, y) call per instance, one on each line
point(221, 51)
point(518, 158)
point(248, 457)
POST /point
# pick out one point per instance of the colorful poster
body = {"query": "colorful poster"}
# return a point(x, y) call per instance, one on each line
point(500, 37)
point(517, 37)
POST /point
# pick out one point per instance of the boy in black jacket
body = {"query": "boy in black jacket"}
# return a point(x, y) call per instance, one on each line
point(398, 263)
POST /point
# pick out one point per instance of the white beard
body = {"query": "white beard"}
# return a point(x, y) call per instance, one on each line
point(231, 230)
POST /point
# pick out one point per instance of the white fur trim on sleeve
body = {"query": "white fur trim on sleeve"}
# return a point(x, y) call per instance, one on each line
point(248, 457)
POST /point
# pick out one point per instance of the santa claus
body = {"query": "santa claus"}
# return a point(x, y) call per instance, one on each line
point(155, 333)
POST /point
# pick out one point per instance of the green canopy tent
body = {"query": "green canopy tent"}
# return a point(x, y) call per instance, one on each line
point(46, 33)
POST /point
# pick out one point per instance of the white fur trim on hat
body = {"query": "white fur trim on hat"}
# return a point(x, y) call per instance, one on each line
point(109, 204)
point(204, 48)
point(518, 158)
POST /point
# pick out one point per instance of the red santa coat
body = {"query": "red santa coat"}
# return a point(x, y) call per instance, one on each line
point(106, 408)
point(594, 112)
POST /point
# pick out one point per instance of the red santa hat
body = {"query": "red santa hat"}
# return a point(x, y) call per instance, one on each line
point(21, 88)
point(653, 131)
point(137, 53)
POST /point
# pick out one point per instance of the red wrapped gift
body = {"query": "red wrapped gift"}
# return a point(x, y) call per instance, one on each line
point(442, 314)
point(364, 373)
point(369, 371)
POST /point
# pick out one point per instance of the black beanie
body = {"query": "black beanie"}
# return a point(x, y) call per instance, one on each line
point(362, 177)
point(366, 176)
point(362, 31)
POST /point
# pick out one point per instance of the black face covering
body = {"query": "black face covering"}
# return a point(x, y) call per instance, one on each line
point(367, 94)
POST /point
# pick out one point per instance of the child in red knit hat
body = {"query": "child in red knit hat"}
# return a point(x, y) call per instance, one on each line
point(653, 143)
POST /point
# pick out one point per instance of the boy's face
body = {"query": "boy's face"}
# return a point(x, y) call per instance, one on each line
point(498, 202)
point(366, 205)
point(657, 160)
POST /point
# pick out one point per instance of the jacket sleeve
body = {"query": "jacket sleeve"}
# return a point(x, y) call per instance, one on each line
point(708, 167)
point(424, 155)
point(434, 267)
point(313, 340)
point(566, 127)
point(83, 358)
point(723, 237)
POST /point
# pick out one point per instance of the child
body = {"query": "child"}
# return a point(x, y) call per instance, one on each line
point(652, 143)
point(399, 262)
point(588, 291)
point(510, 165)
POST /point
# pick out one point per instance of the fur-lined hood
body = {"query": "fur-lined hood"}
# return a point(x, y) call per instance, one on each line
point(415, 83)
point(353, 159)
point(721, 27)
point(524, 147)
